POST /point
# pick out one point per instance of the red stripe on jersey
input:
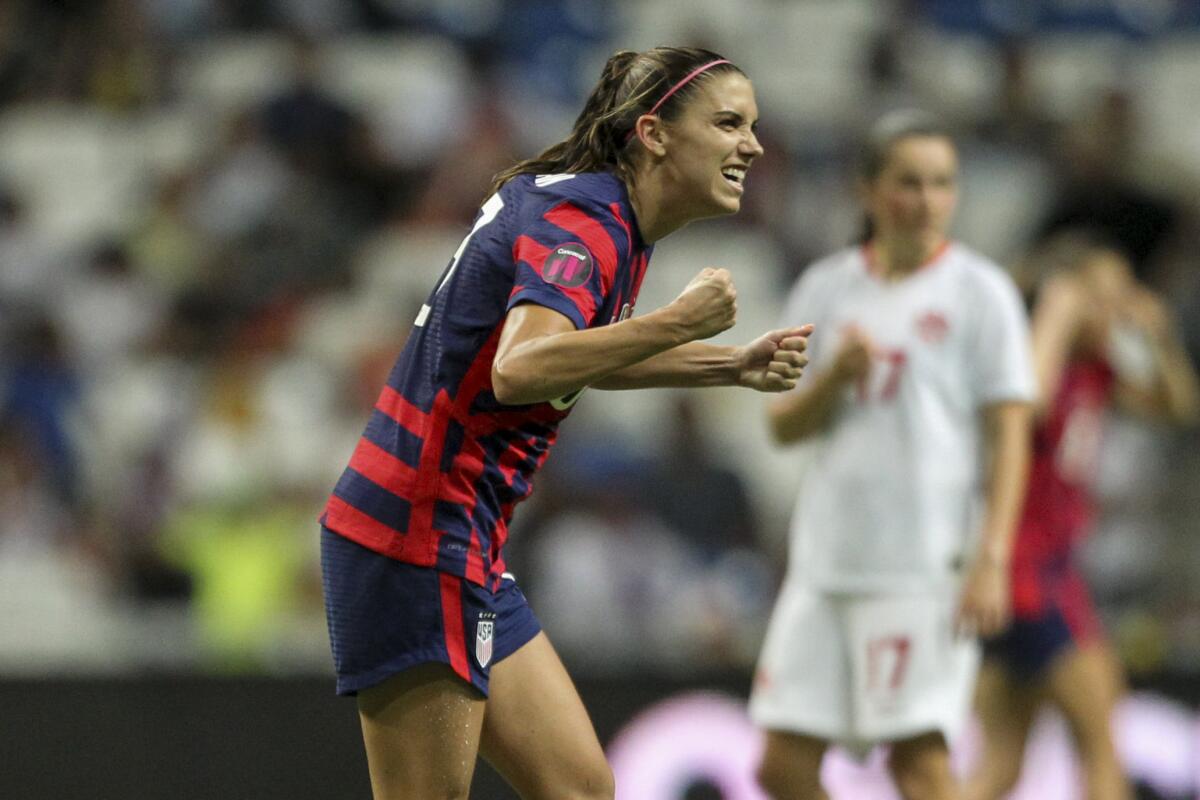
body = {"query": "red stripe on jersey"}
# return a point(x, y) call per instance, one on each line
point(363, 528)
point(477, 379)
point(383, 468)
point(459, 488)
point(487, 424)
point(615, 208)
point(643, 262)
point(510, 459)
point(424, 488)
point(530, 251)
point(1075, 603)
point(593, 235)
point(534, 254)
point(452, 622)
point(398, 408)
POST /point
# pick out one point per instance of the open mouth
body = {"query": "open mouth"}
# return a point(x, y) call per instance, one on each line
point(735, 176)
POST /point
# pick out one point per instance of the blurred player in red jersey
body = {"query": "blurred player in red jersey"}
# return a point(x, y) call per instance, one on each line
point(1100, 339)
point(916, 408)
point(427, 626)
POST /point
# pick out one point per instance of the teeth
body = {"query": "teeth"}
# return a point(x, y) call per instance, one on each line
point(735, 174)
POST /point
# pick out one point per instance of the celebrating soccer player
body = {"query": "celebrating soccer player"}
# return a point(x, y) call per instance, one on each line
point(427, 626)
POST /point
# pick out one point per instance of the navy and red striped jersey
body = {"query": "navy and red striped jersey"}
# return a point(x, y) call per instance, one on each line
point(441, 464)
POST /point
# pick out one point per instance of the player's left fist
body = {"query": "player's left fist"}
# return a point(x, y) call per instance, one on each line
point(774, 361)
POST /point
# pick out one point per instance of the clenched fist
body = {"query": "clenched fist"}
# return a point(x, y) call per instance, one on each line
point(774, 361)
point(707, 305)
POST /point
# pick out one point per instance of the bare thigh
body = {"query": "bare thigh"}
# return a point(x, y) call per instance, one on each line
point(1006, 709)
point(421, 730)
point(1084, 684)
point(536, 732)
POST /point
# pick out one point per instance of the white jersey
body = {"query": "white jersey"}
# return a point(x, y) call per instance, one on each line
point(891, 499)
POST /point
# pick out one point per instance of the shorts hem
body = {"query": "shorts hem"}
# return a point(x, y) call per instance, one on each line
point(845, 739)
point(534, 627)
point(785, 724)
point(350, 685)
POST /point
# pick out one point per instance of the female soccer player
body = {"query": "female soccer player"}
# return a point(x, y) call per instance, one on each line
point(920, 358)
point(1053, 650)
point(427, 627)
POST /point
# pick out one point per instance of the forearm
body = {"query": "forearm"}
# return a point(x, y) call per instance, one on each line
point(1053, 329)
point(1008, 441)
point(806, 411)
point(1177, 393)
point(551, 366)
point(694, 364)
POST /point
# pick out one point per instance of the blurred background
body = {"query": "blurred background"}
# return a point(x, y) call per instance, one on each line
point(219, 219)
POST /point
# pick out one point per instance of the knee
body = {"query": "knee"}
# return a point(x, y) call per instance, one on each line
point(921, 769)
point(995, 778)
point(786, 782)
point(594, 783)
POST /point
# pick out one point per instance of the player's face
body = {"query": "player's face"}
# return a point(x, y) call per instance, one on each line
point(712, 144)
point(913, 198)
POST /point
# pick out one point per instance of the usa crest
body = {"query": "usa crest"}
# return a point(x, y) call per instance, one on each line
point(485, 632)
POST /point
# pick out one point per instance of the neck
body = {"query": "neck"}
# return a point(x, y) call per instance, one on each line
point(657, 215)
point(897, 258)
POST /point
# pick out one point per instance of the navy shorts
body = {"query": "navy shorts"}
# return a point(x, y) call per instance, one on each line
point(386, 616)
point(1052, 611)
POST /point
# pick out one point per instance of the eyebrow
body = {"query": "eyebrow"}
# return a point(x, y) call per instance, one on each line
point(737, 115)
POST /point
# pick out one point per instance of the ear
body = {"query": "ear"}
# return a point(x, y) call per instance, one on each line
point(652, 133)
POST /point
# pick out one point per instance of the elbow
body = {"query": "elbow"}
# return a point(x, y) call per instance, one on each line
point(782, 428)
point(507, 385)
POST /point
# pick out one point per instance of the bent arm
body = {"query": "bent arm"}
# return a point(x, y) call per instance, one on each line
point(694, 364)
point(808, 410)
point(542, 356)
point(1175, 394)
point(1053, 330)
point(771, 363)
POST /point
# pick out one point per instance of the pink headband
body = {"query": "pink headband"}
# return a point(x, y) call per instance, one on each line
point(686, 80)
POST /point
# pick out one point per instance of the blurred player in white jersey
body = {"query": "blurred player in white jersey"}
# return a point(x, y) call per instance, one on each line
point(917, 407)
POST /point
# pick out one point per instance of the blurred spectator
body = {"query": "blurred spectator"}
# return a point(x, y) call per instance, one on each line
point(33, 517)
point(41, 404)
point(167, 245)
point(29, 272)
point(484, 141)
point(241, 182)
point(696, 492)
point(107, 310)
point(605, 576)
point(125, 73)
point(248, 561)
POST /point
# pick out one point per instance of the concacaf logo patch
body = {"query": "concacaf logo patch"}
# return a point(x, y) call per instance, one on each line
point(485, 633)
point(568, 265)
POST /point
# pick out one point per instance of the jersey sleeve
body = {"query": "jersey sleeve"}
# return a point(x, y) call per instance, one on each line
point(1002, 354)
point(566, 259)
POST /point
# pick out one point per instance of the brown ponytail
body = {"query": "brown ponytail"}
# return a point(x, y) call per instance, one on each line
point(630, 84)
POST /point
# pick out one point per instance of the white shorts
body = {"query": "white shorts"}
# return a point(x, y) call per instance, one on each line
point(858, 670)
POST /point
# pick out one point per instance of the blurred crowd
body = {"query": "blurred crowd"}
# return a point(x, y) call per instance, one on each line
point(218, 221)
